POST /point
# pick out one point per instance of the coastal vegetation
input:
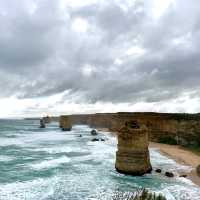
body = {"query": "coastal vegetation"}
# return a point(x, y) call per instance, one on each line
point(195, 149)
point(183, 116)
point(167, 140)
point(140, 194)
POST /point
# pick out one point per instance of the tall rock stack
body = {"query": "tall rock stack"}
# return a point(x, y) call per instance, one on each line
point(132, 156)
point(65, 123)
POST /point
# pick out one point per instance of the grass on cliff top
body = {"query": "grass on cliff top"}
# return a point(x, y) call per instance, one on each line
point(140, 194)
point(170, 140)
point(184, 116)
point(167, 140)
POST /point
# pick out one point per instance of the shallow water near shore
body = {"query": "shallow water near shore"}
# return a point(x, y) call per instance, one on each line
point(48, 164)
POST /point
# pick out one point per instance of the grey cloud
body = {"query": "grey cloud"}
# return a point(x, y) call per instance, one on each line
point(28, 39)
point(45, 56)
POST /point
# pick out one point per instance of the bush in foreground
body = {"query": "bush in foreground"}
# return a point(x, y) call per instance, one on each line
point(141, 194)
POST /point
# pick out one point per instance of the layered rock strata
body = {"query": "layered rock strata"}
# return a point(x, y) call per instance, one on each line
point(132, 156)
point(183, 128)
point(65, 123)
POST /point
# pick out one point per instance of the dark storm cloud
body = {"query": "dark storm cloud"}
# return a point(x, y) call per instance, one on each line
point(41, 54)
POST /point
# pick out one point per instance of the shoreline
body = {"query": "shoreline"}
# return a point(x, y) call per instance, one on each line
point(177, 153)
point(181, 156)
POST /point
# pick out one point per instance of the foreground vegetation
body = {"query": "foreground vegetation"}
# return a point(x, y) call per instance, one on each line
point(140, 194)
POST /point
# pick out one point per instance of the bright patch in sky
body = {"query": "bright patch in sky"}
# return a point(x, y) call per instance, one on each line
point(80, 25)
point(76, 3)
point(118, 61)
point(11, 105)
point(160, 6)
point(135, 51)
point(87, 70)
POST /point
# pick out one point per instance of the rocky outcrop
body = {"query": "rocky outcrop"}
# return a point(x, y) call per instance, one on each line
point(169, 174)
point(198, 170)
point(93, 132)
point(42, 123)
point(132, 156)
point(47, 119)
point(65, 123)
point(158, 170)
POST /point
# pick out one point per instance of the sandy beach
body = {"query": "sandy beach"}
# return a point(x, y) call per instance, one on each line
point(182, 156)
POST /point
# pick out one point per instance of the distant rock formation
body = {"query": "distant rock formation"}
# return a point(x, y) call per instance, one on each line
point(198, 170)
point(132, 156)
point(65, 123)
point(47, 119)
point(180, 128)
point(42, 123)
point(169, 174)
point(158, 170)
point(98, 139)
point(183, 175)
point(94, 132)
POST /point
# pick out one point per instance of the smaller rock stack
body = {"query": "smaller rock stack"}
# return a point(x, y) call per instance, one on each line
point(42, 123)
point(132, 156)
point(65, 123)
point(47, 119)
point(198, 170)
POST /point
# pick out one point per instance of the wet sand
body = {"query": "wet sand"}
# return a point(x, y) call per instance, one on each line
point(181, 156)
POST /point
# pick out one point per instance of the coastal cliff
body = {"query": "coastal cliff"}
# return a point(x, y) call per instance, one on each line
point(184, 129)
point(65, 123)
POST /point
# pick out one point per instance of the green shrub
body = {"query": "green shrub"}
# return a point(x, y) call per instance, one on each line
point(140, 194)
point(168, 140)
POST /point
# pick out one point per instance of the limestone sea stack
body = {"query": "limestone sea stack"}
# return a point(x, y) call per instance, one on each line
point(132, 156)
point(42, 123)
point(65, 123)
point(47, 119)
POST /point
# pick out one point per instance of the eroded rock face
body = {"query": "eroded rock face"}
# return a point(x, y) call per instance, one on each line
point(65, 123)
point(132, 156)
point(198, 170)
point(183, 129)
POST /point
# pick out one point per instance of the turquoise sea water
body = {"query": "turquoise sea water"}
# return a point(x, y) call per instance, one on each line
point(48, 164)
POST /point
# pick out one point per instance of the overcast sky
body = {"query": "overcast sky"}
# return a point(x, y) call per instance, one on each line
point(75, 56)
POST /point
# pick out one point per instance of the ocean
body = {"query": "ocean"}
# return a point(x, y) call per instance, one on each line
point(48, 164)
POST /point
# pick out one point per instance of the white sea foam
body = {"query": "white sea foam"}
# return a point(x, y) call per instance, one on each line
point(5, 158)
point(102, 151)
point(36, 138)
point(11, 141)
point(70, 183)
point(167, 194)
point(159, 160)
point(50, 163)
point(29, 190)
point(184, 192)
point(185, 180)
point(39, 137)
point(55, 149)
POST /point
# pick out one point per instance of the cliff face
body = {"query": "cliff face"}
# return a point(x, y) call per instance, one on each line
point(132, 156)
point(185, 132)
point(65, 123)
point(184, 128)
